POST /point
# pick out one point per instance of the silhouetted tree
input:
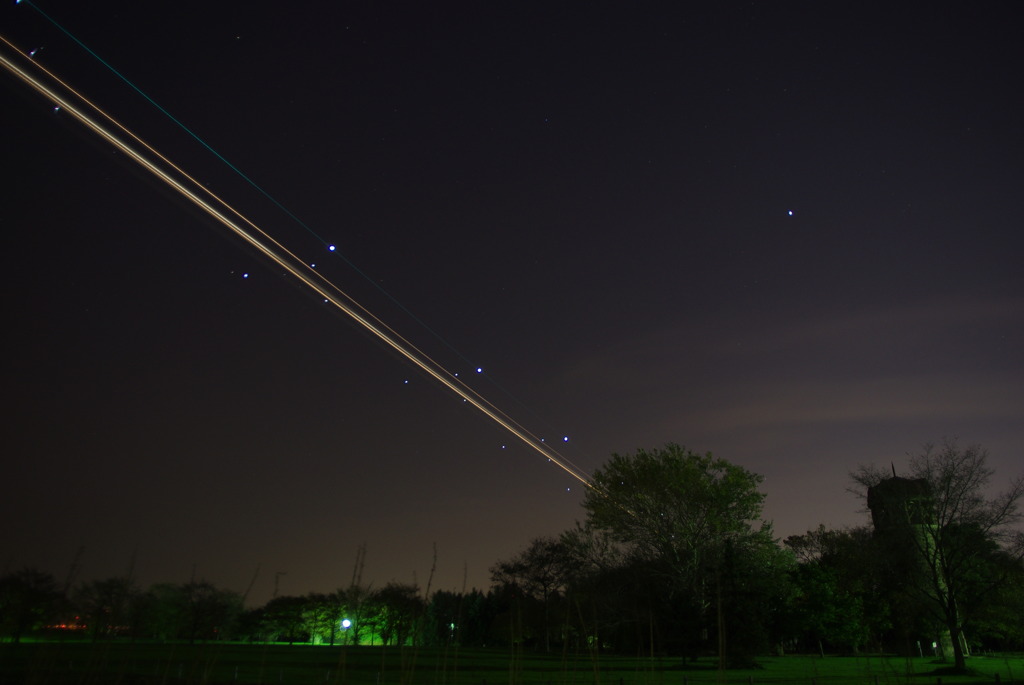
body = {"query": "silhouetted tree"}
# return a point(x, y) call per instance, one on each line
point(209, 611)
point(396, 607)
point(284, 619)
point(105, 606)
point(322, 616)
point(997, 625)
point(616, 599)
point(29, 600)
point(165, 613)
point(538, 573)
point(755, 592)
point(193, 611)
point(477, 616)
point(443, 620)
point(838, 598)
point(354, 603)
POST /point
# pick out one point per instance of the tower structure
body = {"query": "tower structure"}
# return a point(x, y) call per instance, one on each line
point(902, 512)
point(900, 505)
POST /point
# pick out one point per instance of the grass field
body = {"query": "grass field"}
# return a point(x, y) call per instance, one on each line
point(143, 664)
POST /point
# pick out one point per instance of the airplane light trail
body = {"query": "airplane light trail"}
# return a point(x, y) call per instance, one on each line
point(281, 256)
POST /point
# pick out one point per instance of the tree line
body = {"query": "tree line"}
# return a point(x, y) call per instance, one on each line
point(32, 605)
point(671, 558)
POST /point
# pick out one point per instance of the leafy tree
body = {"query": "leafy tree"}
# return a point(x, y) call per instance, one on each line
point(956, 531)
point(685, 513)
point(755, 595)
point(191, 611)
point(396, 607)
point(284, 619)
point(209, 611)
point(836, 590)
point(322, 615)
point(997, 624)
point(355, 604)
point(29, 599)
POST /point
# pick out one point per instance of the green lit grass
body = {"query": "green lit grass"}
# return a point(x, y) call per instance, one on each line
point(141, 664)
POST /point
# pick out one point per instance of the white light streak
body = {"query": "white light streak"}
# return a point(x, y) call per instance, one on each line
point(245, 229)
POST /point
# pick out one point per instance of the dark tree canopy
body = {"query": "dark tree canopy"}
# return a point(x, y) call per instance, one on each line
point(28, 599)
point(540, 572)
point(837, 601)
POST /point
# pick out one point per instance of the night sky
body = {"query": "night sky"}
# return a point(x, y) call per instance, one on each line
point(788, 234)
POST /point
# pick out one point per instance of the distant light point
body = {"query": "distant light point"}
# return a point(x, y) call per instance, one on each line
point(790, 212)
point(479, 370)
point(331, 248)
point(313, 265)
point(565, 438)
point(245, 275)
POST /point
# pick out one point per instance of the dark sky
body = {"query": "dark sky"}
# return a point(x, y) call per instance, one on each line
point(785, 233)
